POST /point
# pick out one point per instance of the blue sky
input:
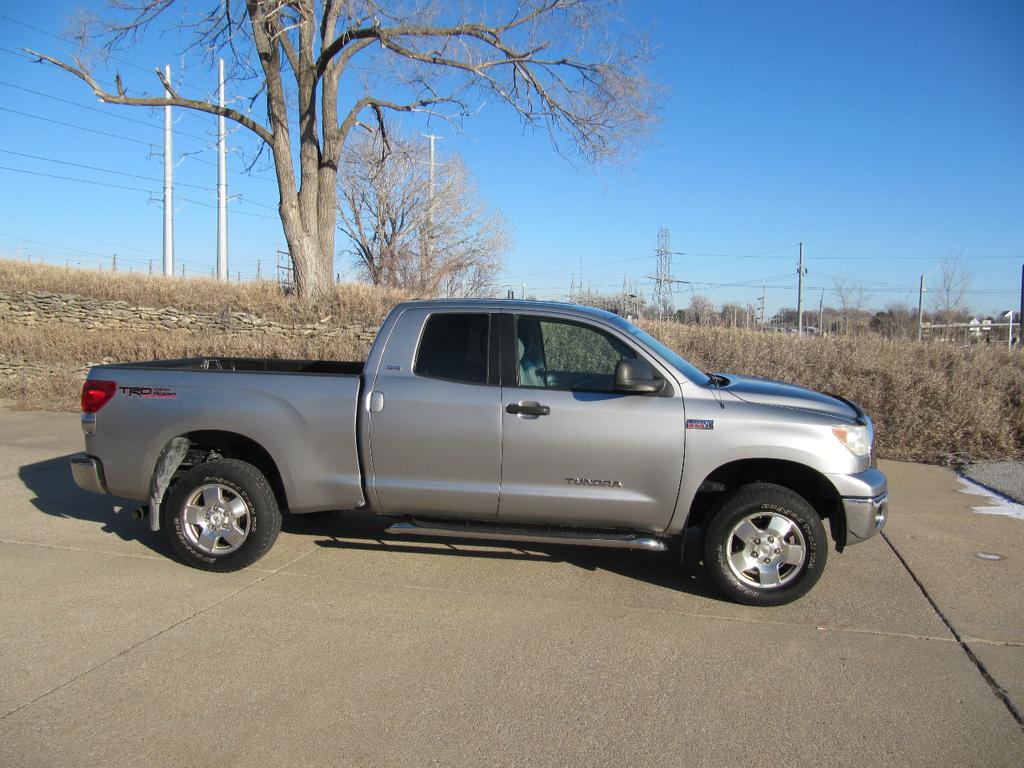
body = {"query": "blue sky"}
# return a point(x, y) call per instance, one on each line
point(885, 136)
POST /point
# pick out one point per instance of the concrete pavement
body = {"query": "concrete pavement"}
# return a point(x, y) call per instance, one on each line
point(343, 647)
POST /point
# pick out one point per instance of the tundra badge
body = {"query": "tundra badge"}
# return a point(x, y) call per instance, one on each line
point(588, 481)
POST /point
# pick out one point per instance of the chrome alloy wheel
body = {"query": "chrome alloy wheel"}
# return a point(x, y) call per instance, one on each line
point(766, 550)
point(215, 519)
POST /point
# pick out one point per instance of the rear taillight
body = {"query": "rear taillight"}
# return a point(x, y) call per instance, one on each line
point(96, 393)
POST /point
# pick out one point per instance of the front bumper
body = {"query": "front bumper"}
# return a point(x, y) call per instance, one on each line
point(865, 498)
point(88, 473)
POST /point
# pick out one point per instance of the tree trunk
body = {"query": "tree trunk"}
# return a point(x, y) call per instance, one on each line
point(312, 276)
point(311, 257)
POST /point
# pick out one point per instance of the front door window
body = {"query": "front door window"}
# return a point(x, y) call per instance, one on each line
point(562, 355)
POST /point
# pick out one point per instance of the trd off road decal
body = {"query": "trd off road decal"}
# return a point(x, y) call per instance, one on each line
point(150, 393)
point(700, 423)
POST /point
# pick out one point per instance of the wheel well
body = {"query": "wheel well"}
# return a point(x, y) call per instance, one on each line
point(231, 445)
point(799, 478)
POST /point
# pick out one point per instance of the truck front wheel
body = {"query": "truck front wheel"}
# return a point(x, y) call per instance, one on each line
point(765, 545)
point(222, 515)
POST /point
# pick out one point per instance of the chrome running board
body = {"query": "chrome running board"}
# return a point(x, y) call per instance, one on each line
point(547, 536)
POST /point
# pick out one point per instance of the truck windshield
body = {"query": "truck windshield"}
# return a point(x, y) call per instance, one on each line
point(686, 368)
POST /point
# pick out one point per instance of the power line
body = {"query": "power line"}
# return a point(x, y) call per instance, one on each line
point(104, 112)
point(213, 205)
point(122, 137)
point(105, 53)
point(128, 188)
point(70, 178)
point(571, 269)
point(736, 255)
point(80, 236)
point(240, 198)
point(68, 249)
point(903, 258)
point(77, 127)
point(101, 170)
point(248, 174)
point(19, 54)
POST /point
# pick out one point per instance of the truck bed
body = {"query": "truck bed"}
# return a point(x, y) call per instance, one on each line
point(303, 411)
point(252, 364)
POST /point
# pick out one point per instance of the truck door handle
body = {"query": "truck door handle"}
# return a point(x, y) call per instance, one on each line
point(525, 408)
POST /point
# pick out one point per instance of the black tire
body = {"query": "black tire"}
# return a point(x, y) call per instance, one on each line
point(756, 513)
point(235, 524)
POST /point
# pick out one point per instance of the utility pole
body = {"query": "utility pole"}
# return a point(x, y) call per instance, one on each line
point(259, 270)
point(1020, 315)
point(800, 271)
point(821, 304)
point(920, 304)
point(429, 245)
point(222, 188)
point(762, 306)
point(113, 263)
point(168, 184)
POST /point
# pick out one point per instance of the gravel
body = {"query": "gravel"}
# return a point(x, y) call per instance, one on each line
point(1005, 477)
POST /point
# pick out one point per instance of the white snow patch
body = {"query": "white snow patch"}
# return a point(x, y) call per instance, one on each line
point(998, 506)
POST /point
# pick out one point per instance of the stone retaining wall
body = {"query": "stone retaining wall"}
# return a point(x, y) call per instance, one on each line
point(32, 307)
point(10, 367)
point(39, 308)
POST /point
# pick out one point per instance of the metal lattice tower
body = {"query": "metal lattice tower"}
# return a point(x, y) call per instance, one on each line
point(663, 274)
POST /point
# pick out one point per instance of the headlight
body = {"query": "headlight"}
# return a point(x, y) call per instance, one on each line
point(855, 437)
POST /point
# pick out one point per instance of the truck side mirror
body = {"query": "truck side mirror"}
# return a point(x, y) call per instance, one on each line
point(637, 377)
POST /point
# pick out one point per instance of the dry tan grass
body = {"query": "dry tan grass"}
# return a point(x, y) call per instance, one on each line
point(930, 402)
point(72, 346)
point(62, 349)
point(351, 302)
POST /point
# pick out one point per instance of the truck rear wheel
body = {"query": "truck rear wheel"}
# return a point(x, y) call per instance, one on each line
point(222, 515)
point(765, 545)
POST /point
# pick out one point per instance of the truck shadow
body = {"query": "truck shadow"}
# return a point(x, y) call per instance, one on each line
point(56, 494)
point(366, 531)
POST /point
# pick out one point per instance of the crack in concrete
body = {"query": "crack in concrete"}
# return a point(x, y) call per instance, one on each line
point(124, 652)
point(759, 621)
point(129, 555)
point(997, 689)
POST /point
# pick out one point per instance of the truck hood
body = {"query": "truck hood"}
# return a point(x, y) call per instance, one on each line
point(768, 392)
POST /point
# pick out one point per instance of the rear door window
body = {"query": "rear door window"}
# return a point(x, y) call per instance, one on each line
point(454, 346)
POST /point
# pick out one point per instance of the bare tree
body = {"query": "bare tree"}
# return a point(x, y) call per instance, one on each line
point(949, 300)
point(565, 67)
point(404, 234)
point(852, 298)
point(701, 310)
point(897, 321)
point(732, 314)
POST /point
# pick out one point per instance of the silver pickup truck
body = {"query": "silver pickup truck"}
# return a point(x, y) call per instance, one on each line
point(502, 420)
